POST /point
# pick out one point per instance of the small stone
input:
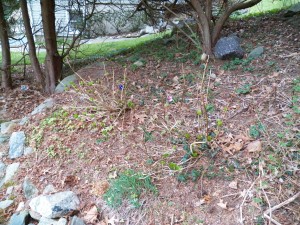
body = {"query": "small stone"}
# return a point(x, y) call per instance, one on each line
point(28, 150)
point(20, 207)
point(24, 120)
point(11, 170)
point(47, 221)
point(29, 189)
point(20, 218)
point(49, 189)
point(9, 190)
point(255, 53)
point(8, 127)
point(4, 138)
point(77, 221)
point(48, 103)
point(2, 169)
point(139, 63)
point(213, 76)
point(16, 144)
point(55, 205)
point(6, 203)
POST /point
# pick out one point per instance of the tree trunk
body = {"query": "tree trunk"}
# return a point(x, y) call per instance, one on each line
point(6, 60)
point(224, 17)
point(53, 61)
point(38, 74)
point(204, 26)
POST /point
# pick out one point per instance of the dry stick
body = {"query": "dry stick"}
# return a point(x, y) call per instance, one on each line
point(243, 202)
point(269, 211)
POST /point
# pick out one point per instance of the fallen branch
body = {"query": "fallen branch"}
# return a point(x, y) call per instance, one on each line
point(288, 201)
point(290, 55)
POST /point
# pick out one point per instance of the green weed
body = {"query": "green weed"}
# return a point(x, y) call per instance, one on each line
point(129, 185)
point(245, 89)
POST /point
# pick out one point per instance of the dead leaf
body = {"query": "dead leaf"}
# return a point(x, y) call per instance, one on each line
point(70, 180)
point(91, 215)
point(99, 188)
point(113, 175)
point(141, 117)
point(201, 202)
point(222, 204)
point(233, 185)
point(254, 146)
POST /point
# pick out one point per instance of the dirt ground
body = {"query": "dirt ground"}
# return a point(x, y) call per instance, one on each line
point(219, 139)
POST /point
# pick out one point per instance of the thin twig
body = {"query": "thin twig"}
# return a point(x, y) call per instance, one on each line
point(245, 197)
point(288, 201)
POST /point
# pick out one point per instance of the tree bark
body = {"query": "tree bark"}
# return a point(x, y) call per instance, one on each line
point(38, 74)
point(53, 61)
point(6, 59)
point(204, 26)
point(221, 21)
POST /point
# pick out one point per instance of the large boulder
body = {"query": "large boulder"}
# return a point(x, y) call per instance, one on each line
point(229, 48)
point(56, 205)
point(16, 144)
point(66, 82)
point(47, 221)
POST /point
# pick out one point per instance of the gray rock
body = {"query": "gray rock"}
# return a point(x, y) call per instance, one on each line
point(66, 82)
point(55, 205)
point(2, 169)
point(47, 221)
point(10, 172)
point(48, 103)
point(6, 203)
point(35, 215)
point(9, 190)
point(7, 127)
point(23, 120)
point(28, 150)
point(139, 63)
point(16, 144)
point(49, 189)
point(20, 218)
point(20, 207)
point(229, 48)
point(77, 221)
point(293, 10)
point(257, 52)
point(4, 138)
point(29, 189)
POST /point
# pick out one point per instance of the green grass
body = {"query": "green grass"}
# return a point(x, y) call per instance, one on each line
point(266, 7)
point(271, 5)
point(96, 50)
point(129, 185)
point(113, 48)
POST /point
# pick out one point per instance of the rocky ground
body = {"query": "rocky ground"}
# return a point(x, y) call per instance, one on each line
point(157, 136)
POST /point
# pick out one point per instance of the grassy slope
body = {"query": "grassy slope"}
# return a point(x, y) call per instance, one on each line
point(93, 50)
point(271, 5)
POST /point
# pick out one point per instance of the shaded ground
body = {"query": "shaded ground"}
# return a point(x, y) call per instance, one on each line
point(190, 126)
